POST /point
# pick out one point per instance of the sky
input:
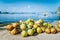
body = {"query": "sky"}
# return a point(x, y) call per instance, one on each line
point(29, 5)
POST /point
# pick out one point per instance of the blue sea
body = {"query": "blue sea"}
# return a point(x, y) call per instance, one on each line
point(8, 18)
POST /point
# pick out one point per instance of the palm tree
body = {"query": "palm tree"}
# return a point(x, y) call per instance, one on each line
point(58, 11)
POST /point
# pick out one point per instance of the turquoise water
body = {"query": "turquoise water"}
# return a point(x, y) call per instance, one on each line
point(5, 18)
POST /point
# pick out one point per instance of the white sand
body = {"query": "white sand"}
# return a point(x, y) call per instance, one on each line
point(5, 35)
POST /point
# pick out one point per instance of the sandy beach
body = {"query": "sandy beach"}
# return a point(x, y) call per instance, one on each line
point(5, 35)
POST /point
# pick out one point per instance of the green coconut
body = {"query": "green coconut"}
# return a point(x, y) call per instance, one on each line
point(24, 33)
point(30, 32)
point(23, 26)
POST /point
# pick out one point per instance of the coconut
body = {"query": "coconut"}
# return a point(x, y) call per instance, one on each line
point(14, 31)
point(53, 30)
point(24, 33)
point(29, 20)
point(41, 21)
point(43, 29)
point(58, 29)
point(9, 27)
point(39, 30)
point(35, 25)
point(23, 26)
point(58, 25)
point(59, 22)
point(31, 23)
point(45, 24)
point(47, 30)
point(50, 25)
point(15, 25)
point(30, 32)
point(29, 26)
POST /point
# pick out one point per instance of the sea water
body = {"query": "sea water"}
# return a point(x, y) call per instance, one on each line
point(10, 17)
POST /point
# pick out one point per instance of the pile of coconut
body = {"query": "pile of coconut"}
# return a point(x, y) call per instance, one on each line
point(31, 27)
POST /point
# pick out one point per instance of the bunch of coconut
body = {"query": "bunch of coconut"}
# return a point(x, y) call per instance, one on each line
point(50, 29)
point(31, 27)
point(13, 28)
point(27, 28)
